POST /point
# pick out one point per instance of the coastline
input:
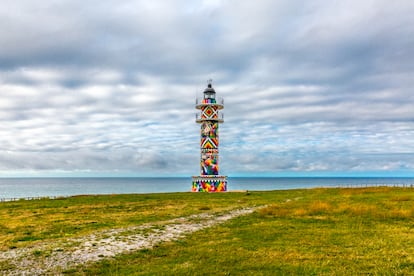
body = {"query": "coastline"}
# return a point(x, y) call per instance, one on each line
point(12, 189)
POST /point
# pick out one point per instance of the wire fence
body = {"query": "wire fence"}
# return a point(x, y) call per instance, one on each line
point(368, 185)
point(6, 199)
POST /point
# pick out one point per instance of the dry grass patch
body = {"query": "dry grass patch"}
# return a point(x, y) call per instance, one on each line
point(359, 210)
point(275, 210)
point(319, 207)
point(402, 198)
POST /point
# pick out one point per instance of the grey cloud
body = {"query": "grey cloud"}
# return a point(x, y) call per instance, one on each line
point(307, 86)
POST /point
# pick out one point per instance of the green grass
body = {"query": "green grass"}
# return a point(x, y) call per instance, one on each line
point(300, 232)
point(23, 223)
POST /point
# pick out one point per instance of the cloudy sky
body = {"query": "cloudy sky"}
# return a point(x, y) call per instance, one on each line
point(108, 87)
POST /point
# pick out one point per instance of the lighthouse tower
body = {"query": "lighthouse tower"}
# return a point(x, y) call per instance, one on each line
point(209, 118)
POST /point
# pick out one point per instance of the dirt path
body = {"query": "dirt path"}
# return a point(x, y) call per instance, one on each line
point(55, 257)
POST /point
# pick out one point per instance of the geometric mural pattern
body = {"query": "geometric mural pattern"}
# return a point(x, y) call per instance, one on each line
point(209, 143)
point(209, 112)
point(209, 135)
point(209, 184)
point(209, 163)
point(209, 129)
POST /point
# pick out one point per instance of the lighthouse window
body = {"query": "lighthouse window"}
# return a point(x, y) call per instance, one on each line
point(209, 96)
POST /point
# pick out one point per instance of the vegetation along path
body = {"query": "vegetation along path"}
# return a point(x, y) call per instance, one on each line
point(57, 256)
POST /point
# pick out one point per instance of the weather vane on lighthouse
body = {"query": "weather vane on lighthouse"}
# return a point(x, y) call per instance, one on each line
point(209, 179)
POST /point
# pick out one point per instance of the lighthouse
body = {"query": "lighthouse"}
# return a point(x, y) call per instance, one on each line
point(209, 119)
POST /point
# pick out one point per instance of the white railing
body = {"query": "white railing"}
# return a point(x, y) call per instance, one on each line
point(220, 117)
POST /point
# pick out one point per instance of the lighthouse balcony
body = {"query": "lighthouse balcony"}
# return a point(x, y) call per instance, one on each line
point(210, 101)
point(218, 118)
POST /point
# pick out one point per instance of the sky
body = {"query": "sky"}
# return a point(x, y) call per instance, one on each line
point(108, 88)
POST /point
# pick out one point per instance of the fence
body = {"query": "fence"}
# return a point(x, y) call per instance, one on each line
point(367, 185)
point(6, 199)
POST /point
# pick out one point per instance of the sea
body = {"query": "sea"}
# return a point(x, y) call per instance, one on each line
point(16, 188)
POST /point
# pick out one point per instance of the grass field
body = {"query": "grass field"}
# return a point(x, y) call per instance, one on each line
point(300, 232)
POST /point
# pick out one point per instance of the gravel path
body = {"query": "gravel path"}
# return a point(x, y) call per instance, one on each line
point(55, 257)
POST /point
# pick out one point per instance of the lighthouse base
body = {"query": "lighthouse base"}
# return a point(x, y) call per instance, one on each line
point(209, 183)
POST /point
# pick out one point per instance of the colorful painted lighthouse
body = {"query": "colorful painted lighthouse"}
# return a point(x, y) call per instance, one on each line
point(209, 118)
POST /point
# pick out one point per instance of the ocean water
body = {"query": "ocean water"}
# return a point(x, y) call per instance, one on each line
point(51, 187)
